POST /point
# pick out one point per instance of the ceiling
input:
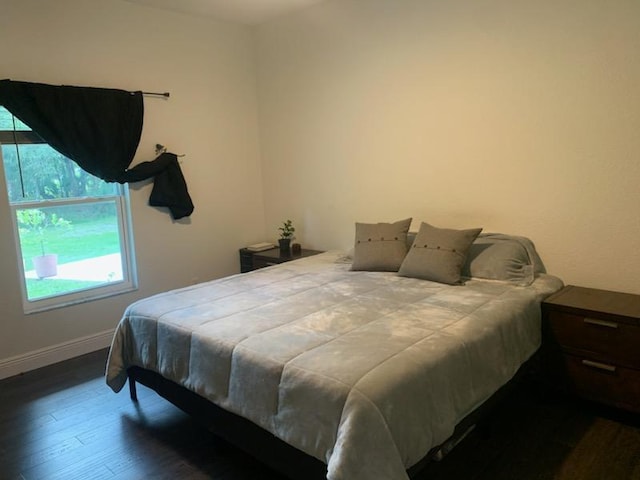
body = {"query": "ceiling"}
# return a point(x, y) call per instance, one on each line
point(250, 12)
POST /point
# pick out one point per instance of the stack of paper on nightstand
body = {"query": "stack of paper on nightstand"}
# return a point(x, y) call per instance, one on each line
point(259, 247)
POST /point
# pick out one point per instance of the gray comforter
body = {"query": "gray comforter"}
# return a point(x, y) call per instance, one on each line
point(365, 371)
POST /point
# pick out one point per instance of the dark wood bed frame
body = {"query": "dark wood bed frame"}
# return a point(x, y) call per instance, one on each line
point(274, 452)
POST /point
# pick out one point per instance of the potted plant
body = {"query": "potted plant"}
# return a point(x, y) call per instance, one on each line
point(286, 235)
point(36, 222)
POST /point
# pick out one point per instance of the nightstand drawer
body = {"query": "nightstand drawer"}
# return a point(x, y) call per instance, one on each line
point(603, 382)
point(619, 342)
point(591, 344)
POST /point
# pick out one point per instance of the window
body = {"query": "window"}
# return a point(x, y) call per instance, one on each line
point(72, 229)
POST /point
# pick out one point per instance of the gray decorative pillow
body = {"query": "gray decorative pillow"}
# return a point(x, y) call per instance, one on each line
point(380, 246)
point(502, 257)
point(438, 254)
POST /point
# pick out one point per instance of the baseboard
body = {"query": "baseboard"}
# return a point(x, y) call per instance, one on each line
point(53, 354)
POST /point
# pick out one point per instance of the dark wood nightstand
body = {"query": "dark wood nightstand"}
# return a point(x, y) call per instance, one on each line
point(591, 344)
point(254, 260)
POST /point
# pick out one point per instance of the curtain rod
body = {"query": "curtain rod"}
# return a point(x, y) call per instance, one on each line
point(157, 94)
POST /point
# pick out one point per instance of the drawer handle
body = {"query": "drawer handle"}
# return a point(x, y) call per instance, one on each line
point(600, 323)
point(598, 365)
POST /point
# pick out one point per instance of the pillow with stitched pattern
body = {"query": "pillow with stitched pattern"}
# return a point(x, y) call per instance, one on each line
point(438, 254)
point(380, 246)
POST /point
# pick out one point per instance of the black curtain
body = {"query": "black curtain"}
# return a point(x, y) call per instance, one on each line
point(99, 129)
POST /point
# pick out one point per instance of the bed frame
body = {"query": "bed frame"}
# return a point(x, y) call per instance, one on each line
point(277, 454)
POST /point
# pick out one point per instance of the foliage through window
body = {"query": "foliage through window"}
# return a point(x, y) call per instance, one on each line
point(71, 228)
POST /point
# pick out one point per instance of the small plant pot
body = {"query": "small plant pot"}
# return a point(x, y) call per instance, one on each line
point(285, 246)
point(46, 265)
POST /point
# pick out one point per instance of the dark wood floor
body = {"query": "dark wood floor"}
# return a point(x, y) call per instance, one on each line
point(62, 422)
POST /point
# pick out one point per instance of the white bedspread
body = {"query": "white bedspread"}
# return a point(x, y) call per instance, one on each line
point(365, 371)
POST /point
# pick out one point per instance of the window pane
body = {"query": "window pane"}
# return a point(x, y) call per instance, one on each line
point(45, 174)
point(6, 121)
point(69, 248)
point(76, 246)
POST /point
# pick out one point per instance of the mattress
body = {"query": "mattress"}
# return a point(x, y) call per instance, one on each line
point(366, 371)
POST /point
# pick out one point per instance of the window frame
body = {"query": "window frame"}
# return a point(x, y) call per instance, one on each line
point(129, 281)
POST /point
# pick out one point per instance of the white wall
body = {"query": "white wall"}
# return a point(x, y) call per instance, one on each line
point(211, 117)
point(520, 117)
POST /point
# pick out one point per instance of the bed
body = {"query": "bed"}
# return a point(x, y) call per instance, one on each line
point(362, 372)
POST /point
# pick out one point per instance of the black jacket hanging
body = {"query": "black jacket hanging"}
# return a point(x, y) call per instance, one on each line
point(169, 187)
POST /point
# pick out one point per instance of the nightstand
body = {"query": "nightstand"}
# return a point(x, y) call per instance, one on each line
point(254, 260)
point(591, 344)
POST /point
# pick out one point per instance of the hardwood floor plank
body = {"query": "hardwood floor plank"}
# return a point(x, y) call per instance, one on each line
point(77, 472)
point(606, 450)
point(535, 436)
point(63, 422)
point(179, 470)
point(29, 435)
point(21, 462)
point(77, 463)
